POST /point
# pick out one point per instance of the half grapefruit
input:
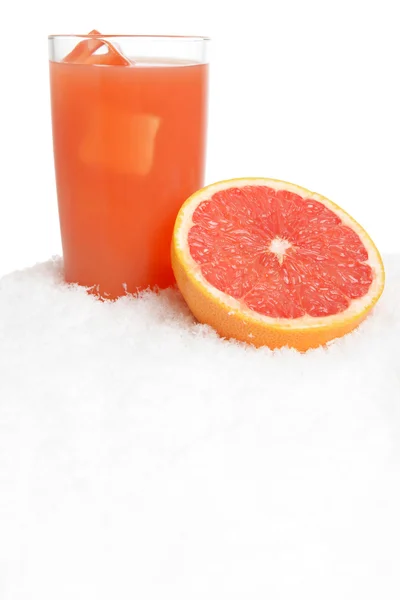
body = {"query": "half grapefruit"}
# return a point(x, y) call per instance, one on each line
point(271, 263)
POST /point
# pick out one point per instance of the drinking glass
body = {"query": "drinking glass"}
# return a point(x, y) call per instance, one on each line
point(129, 132)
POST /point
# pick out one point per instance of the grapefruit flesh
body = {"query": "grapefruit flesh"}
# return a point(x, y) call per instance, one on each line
point(271, 263)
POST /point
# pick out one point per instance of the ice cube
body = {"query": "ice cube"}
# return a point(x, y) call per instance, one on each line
point(120, 141)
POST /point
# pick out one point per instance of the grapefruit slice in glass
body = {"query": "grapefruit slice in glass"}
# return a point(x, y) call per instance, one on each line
point(271, 263)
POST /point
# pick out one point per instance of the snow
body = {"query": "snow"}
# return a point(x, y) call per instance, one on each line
point(143, 457)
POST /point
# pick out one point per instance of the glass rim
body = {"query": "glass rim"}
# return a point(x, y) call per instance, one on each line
point(184, 38)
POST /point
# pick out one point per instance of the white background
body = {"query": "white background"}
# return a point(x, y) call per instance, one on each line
point(142, 459)
point(303, 91)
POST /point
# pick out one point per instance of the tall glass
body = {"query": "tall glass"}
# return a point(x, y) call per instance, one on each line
point(129, 132)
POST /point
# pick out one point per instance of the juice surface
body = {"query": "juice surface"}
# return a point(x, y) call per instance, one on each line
point(129, 147)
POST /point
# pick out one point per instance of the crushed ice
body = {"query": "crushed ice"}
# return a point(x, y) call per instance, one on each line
point(143, 457)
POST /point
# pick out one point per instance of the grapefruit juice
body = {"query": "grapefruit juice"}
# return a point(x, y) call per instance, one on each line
point(129, 148)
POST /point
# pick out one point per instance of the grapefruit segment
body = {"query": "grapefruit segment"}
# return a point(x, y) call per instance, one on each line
point(269, 262)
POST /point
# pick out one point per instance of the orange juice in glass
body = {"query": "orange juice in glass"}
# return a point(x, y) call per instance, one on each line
point(129, 133)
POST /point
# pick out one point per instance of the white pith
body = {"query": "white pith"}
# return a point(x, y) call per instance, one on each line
point(356, 306)
point(278, 246)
